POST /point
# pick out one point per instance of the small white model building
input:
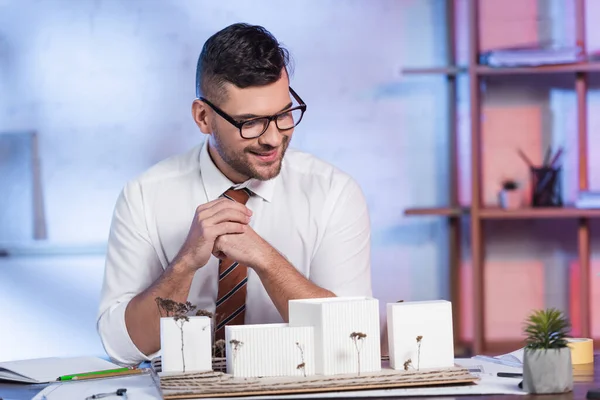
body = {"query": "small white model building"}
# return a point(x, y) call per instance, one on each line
point(420, 331)
point(269, 350)
point(347, 336)
point(197, 344)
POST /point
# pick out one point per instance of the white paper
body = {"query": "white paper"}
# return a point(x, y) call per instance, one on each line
point(44, 370)
point(139, 387)
point(480, 367)
point(513, 359)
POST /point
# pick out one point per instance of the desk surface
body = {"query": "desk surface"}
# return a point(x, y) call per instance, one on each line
point(583, 382)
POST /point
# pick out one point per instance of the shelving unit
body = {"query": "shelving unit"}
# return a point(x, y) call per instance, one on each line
point(477, 212)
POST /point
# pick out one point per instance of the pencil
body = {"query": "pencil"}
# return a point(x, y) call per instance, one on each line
point(107, 375)
point(556, 156)
point(524, 157)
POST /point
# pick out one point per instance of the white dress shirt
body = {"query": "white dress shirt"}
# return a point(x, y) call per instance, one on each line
point(312, 213)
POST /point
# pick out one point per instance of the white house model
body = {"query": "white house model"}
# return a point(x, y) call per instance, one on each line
point(420, 331)
point(196, 335)
point(269, 350)
point(346, 333)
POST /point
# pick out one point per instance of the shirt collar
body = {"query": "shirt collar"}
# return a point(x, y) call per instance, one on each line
point(216, 183)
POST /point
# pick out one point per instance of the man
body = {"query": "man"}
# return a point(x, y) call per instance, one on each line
point(237, 226)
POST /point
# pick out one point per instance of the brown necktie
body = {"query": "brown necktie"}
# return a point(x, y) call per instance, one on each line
point(231, 297)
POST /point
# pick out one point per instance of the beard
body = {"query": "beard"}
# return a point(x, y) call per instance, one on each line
point(241, 161)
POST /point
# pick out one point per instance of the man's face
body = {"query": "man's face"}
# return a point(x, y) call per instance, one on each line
point(261, 157)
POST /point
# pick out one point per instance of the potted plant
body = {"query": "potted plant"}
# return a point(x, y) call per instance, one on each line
point(547, 364)
point(510, 195)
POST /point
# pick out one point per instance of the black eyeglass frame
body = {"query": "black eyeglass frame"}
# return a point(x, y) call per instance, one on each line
point(239, 125)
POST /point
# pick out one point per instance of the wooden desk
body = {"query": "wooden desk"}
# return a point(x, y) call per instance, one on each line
point(584, 380)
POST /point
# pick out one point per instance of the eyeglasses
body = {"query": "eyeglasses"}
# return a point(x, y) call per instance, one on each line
point(255, 127)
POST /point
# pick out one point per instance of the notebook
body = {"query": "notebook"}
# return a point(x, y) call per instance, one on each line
point(44, 370)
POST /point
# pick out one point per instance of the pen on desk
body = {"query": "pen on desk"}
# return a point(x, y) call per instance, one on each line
point(94, 374)
point(510, 374)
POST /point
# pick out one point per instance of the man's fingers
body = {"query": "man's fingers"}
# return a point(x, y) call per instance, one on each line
point(209, 209)
point(226, 215)
point(226, 228)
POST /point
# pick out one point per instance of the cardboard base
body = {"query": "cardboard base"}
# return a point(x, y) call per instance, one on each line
point(215, 384)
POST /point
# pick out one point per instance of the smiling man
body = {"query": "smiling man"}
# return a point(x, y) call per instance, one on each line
point(240, 224)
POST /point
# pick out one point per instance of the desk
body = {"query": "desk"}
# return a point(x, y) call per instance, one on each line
point(583, 382)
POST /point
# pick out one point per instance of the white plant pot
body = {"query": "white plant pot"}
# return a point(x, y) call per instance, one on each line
point(197, 344)
point(547, 371)
point(510, 199)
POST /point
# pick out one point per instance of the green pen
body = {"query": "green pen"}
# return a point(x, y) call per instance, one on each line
point(86, 374)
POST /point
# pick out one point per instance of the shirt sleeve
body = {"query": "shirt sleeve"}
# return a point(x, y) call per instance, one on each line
point(131, 266)
point(342, 262)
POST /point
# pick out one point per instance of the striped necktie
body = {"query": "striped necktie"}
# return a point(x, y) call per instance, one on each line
point(231, 297)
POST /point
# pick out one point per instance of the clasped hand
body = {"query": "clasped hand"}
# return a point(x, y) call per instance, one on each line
point(221, 228)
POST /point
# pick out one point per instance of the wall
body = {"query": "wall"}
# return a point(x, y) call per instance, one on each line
point(108, 85)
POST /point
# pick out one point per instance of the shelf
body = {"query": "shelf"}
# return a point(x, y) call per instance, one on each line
point(538, 213)
point(449, 71)
point(484, 70)
point(44, 248)
point(440, 211)
point(500, 213)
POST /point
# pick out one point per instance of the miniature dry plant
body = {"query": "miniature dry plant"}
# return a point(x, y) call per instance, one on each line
point(179, 312)
point(219, 345)
point(219, 348)
point(237, 345)
point(302, 365)
point(358, 337)
point(419, 339)
point(408, 363)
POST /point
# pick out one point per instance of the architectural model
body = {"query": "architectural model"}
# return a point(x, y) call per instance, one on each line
point(186, 344)
point(346, 333)
point(269, 350)
point(420, 334)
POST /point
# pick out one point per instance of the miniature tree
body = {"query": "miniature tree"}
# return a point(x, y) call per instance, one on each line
point(302, 365)
point(408, 363)
point(219, 348)
point(179, 313)
point(215, 348)
point(356, 338)
point(237, 345)
point(419, 338)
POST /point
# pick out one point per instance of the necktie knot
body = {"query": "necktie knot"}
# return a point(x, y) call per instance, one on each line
point(241, 195)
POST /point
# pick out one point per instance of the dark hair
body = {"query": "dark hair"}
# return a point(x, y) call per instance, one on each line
point(242, 54)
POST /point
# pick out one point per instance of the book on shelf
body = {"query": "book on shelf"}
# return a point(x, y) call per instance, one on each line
point(588, 199)
point(531, 56)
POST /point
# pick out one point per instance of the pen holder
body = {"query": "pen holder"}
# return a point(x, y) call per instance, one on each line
point(546, 187)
